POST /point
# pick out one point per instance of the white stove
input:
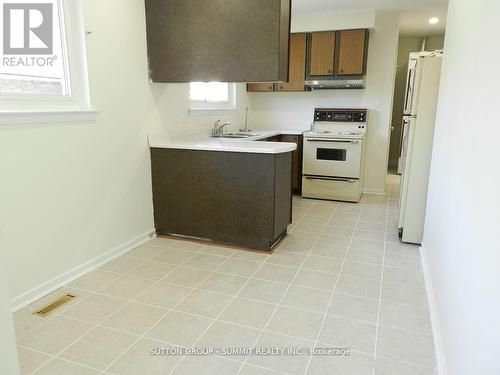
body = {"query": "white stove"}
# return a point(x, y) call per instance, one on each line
point(334, 155)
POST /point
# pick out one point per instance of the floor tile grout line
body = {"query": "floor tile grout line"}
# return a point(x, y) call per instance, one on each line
point(377, 328)
point(289, 285)
point(252, 327)
point(58, 313)
point(98, 325)
point(232, 255)
point(270, 281)
point(95, 326)
point(55, 356)
point(162, 279)
point(332, 295)
point(282, 297)
point(202, 316)
point(240, 324)
point(95, 292)
point(172, 309)
point(405, 362)
point(52, 357)
point(219, 314)
point(259, 279)
point(222, 311)
point(292, 307)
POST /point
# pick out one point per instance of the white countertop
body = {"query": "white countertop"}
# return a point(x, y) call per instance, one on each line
point(207, 143)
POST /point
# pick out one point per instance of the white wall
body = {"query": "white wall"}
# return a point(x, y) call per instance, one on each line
point(325, 21)
point(71, 192)
point(172, 100)
point(295, 110)
point(461, 245)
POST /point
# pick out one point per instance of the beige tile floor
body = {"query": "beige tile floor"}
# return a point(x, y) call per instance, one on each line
point(341, 278)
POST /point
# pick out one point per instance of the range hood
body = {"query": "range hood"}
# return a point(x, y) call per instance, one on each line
point(337, 83)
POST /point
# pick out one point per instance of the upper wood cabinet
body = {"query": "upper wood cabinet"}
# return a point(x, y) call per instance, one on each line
point(260, 87)
point(322, 50)
point(352, 52)
point(297, 64)
point(226, 41)
point(324, 55)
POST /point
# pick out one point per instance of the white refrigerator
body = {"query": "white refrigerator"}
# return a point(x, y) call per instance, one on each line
point(418, 135)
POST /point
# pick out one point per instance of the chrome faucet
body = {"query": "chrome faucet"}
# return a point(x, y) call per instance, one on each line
point(218, 129)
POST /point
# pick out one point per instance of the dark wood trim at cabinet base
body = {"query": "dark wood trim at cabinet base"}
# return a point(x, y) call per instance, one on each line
point(252, 245)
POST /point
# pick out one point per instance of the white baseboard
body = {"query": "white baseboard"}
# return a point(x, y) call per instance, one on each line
point(48, 287)
point(438, 343)
point(374, 191)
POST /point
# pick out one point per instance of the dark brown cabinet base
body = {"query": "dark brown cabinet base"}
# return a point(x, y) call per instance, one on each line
point(226, 197)
point(296, 158)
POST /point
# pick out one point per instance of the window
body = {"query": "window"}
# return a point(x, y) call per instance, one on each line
point(212, 96)
point(43, 74)
point(43, 61)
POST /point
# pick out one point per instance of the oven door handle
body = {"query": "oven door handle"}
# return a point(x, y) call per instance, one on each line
point(350, 180)
point(353, 141)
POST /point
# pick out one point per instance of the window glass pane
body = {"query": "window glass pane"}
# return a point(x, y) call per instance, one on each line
point(198, 91)
point(209, 92)
point(34, 59)
point(218, 92)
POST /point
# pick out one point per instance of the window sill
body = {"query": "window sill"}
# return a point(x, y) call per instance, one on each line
point(211, 111)
point(46, 116)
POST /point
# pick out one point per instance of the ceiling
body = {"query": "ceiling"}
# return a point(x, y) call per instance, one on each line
point(414, 19)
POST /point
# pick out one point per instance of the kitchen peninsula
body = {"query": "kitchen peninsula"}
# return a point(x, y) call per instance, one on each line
point(228, 191)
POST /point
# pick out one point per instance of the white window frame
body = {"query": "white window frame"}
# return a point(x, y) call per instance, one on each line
point(15, 109)
point(212, 108)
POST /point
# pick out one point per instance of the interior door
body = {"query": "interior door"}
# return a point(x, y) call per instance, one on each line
point(297, 67)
